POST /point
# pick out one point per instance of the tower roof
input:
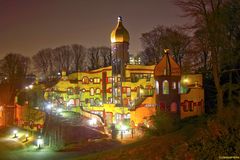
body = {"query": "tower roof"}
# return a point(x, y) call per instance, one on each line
point(167, 67)
point(119, 33)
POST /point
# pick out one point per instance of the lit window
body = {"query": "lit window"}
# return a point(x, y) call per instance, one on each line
point(98, 91)
point(118, 117)
point(196, 84)
point(85, 80)
point(118, 79)
point(128, 92)
point(91, 91)
point(92, 103)
point(126, 116)
point(157, 87)
point(174, 85)
point(96, 80)
point(165, 87)
point(110, 79)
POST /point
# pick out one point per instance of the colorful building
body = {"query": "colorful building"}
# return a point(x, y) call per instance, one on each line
point(127, 91)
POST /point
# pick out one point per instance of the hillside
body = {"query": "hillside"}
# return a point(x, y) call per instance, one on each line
point(205, 137)
point(170, 146)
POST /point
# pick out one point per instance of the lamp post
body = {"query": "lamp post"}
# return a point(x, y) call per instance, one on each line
point(15, 133)
point(39, 142)
point(26, 136)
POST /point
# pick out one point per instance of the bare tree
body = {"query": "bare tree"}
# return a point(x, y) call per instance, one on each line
point(43, 61)
point(63, 57)
point(94, 58)
point(160, 38)
point(210, 15)
point(79, 53)
point(106, 55)
point(150, 41)
point(15, 67)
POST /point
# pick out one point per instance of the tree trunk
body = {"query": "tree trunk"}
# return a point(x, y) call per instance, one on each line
point(216, 77)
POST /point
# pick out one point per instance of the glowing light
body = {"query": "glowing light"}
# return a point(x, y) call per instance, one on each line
point(30, 86)
point(123, 128)
point(26, 136)
point(49, 106)
point(39, 142)
point(59, 110)
point(166, 50)
point(185, 80)
point(26, 87)
point(15, 133)
point(92, 121)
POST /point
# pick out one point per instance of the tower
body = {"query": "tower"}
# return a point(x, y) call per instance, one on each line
point(120, 57)
point(167, 76)
point(119, 48)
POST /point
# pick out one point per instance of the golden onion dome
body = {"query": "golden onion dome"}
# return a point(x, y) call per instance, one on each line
point(119, 34)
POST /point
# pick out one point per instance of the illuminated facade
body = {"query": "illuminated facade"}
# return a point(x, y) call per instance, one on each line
point(128, 91)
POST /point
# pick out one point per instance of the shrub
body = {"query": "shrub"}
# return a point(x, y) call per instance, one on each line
point(162, 123)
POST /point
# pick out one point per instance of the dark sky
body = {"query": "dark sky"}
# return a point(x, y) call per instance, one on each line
point(26, 26)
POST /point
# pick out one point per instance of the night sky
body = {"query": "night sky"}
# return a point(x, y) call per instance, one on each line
point(26, 26)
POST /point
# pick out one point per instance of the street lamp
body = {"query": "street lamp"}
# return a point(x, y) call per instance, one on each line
point(39, 142)
point(123, 128)
point(92, 121)
point(15, 133)
point(26, 136)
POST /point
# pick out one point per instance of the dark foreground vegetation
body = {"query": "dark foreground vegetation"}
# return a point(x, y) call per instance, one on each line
point(205, 137)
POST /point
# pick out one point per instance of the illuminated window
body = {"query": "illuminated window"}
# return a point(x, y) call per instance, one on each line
point(118, 117)
point(110, 79)
point(196, 84)
point(126, 116)
point(157, 87)
point(98, 91)
point(174, 85)
point(85, 80)
point(110, 100)
point(128, 92)
point(92, 103)
point(118, 79)
point(96, 80)
point(91, 91)
point(165, 87)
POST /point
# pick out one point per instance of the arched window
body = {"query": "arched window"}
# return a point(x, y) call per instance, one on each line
point(157, 87)
point(91, 91)
point(165, 87)
point(98, 91)
point(85, 80)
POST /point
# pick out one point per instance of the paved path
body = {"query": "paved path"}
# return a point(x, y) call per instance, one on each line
point(14, 150)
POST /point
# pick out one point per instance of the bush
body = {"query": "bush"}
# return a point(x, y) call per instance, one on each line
point(162, 123)
point(220, 137)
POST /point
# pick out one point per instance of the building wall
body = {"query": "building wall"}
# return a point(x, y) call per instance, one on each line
point(192, 102)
